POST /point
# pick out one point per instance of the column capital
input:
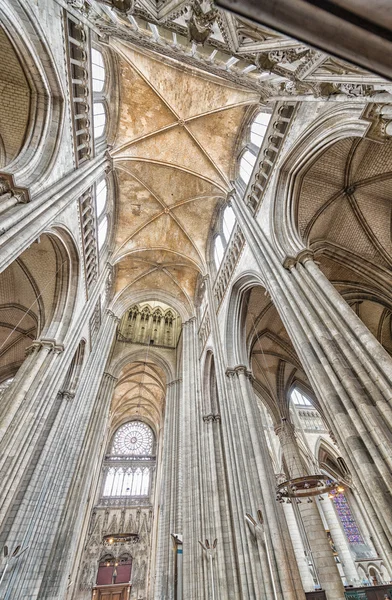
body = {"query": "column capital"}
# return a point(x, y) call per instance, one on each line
point(302, 257)
point(286, 424)
point(49, 344)
point(211, 418)
point(110, 376)
point(239, 370)
point(174, 382)
point(190, 321)
point(113, 316)
point(67, 395)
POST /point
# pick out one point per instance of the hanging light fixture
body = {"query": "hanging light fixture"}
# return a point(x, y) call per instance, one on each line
point(296, 489)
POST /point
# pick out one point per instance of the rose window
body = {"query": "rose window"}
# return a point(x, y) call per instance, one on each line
point(133, 439)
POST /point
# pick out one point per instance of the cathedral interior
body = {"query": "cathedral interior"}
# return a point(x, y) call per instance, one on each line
point(195, 300)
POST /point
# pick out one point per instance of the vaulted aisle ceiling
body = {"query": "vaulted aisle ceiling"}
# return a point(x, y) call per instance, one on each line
point(174, 156)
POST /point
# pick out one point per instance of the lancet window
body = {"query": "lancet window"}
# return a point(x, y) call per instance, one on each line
point(128, 469)
point(223, 230)
point(99, 78)
point(254, 142)
point(346, 517)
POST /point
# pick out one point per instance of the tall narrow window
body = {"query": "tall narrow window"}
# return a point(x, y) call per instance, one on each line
point(102, 232)
point(258, 128)
point(128, 467)
point(99, 116)
point(218, 251)
point(350, 527)
point(246, 165)
point(98, 69)
point(101, 195)
point(228, 222)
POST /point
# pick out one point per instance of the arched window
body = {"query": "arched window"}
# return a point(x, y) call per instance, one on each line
point(98, 70)
point(218, 251)
point(258, 128)
point(228, 222)
point(247, 163)
point(99, 119)
point(299, 398)
point(128, 467)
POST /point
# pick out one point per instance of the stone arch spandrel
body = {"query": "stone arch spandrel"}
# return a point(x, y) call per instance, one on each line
point(37, 295)
point(236, 351)
point(38, 148)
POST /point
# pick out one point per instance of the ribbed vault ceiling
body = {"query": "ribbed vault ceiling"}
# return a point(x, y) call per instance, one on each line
point(174, 156)
point(139, 393)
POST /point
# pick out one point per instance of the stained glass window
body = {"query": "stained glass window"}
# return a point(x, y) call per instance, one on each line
point(345, 515)
point(133, 439)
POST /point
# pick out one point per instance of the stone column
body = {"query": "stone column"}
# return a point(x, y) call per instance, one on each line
point(26, 406)
point(299, 549)
point(251, 486)
point(255, 490)
point(340, 541)
point(193, 494)
point(316, 537)
point(169, 502)
point(347, 368)
point(47, 520)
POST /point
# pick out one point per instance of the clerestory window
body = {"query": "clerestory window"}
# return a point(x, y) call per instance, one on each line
point(218, 251)
point(99, 94)
point(248, 157)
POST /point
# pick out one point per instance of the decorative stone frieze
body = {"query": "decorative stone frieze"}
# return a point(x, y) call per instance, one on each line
point(272, 144)
point(78, 58)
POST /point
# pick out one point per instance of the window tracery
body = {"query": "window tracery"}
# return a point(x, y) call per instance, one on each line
point(129, 467)
point(133, 439)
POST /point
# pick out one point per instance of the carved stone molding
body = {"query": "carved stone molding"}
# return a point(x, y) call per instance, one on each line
point(174, 382)
point(49, 344)
point(211, 418)
point(380, 118)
